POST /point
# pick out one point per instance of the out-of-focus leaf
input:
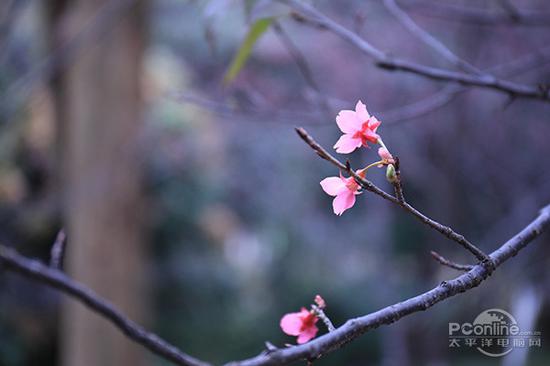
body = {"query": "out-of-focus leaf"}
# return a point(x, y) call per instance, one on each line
point(256, 30)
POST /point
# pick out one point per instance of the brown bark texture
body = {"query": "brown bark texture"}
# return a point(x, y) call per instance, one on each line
point(99, 112)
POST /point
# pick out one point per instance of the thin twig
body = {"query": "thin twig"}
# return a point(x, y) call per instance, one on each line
point(57, 252)
point(390, 117)
point(448, 93)
point(449, 11)
point(35, 270)
point(325, 319)
point(353, 328)
point(371, 187)
point(246, 113)
point(397, 185)
point(446, 262)
point(428, 39)
point(511, 10)
point(386, 61)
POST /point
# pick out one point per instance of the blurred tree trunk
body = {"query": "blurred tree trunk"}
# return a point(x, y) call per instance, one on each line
point(98, 108)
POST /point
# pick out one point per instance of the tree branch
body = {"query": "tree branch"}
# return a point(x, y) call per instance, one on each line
point(478, 16)
point(324, 318)
point(386, 61)
point(397, 187)
point(331, 341)
point(428, 39)
point(371, 187)
point(35, 270)
point(444, 261)
point(448, 93)
point(353, 328)
point(58, 250)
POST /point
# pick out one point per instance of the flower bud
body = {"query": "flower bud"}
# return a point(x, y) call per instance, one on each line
point(391, 175)
point(320, 302)
point(385, 155)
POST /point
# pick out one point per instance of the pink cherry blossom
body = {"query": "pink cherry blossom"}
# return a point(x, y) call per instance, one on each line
point(386, 156)
point(359, 128)
point(301, 324)
point(343, 189)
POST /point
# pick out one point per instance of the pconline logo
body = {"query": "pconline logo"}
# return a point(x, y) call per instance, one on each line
point(494, 333)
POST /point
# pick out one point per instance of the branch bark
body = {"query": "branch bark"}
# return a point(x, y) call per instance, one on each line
point(371, 187)
point(35, 270)
point(353, 328)
point(446, 262)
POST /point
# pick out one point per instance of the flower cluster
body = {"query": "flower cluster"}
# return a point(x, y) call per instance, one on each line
point(302, 323)
point(359, 128)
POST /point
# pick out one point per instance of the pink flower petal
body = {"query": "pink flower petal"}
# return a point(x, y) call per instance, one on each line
point(308, 334)
point(333, 186)
point(346, 144)
point(373, 123)
point(361, 111)
point(291, 324)
point(371, 136)
point(348, 122)
point(343, 201)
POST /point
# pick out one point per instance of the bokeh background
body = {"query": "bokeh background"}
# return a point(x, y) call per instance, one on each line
point(194, 207)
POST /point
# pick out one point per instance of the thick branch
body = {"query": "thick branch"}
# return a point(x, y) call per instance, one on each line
point(353, 328)
point(386, 61)
point(371, 187)
point(11, 260)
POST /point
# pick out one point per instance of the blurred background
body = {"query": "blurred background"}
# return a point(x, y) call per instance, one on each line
point(192, 205)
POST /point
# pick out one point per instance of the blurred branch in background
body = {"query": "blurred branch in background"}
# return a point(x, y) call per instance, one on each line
point(430, 40)
point(404, 113)
point(478, 16)
point(388, 62)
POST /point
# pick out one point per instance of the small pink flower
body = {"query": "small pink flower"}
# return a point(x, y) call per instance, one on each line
point(343, 189)
point(386, 156)
point(300, 324)
point(358, 126)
